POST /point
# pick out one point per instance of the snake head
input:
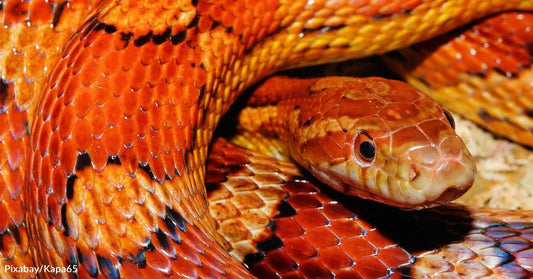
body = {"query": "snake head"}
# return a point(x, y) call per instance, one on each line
point(385, 141)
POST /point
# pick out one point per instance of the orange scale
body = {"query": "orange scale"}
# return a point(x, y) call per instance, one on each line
point(14, 151)
point(128, 269)
point(395, 114)
point(158, 262)
point(189, 253)
point(155, 142)
point(69, 154)
point(82, 135)
point(148, 54)
point(371, 267)
point(55, 115)
point(59, 184)
point(111, 112)
point(72, 88)
point(129, 57)
point(183, 73)
point(54, 148)
point(402, 136)
point(67, 121)
point(90, 72)
point(129, 104)
point(185, 115)
point(394, 256)
point(179, 161)
point(208, 272)
point(510, 65)
point(168, 163)
point(167, 136)
point(16, 210)
point(335, 258)
point(299, 249)
point(128, 132)
point(3, 188)
point(315, 149)
point(40, 12)
point(337, 211)
point(54, 212)
point(322, 237)
point(427, 105)
point(15, 11)
point(44, 138)
point(170, 72)
point(15, 181)
point(128, 160)
point(79, 59)
point(156, 166)
point(163, 94)
point(187, 270)
point(330, 146)
point(137, 77)
point(41, 199)
point(4, 122)
point(280, 262)
point(45, 174)
point(17, 120)
point(142, 119)
point(146, 98)
point(152, 274)
point(300, 187)
point(154, 75)
point(315, 269)
point(45, 107)
point(101, 45)
point(36, 162)
point(98, 155)
point(301, 201)
point(471, 63)
point(155, 118)
point(87, 259)
point(141, 150)
point(97, 123)
point(358, 247)
point(109, 64)
point(112, 141)
point(204, 24)
point(433, 129)
point(311, 218)
point(84, 102)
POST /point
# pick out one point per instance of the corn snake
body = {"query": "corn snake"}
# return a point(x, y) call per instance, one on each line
point(198, 28)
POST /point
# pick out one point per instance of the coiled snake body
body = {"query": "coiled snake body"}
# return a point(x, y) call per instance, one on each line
point(104, 163)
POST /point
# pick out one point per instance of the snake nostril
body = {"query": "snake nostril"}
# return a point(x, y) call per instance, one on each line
point(413, 173)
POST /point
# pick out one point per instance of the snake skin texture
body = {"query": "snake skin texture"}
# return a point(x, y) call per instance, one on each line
point(317, 233)
point(108, 109)
point(480, 71)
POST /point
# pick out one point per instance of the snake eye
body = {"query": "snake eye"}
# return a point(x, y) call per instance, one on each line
point(450, 118)
point(366, 150)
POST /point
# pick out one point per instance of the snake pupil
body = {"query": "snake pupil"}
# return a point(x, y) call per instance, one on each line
point(450, 119)
point(367, 150)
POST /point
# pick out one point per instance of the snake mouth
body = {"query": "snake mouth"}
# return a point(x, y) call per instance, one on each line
point(442, 184)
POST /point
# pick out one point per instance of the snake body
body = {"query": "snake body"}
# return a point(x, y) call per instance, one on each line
point(103, 164)
point(317, 233)
point(486, 64)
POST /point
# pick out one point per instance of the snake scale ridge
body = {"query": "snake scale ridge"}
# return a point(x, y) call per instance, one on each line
point(107, 138)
